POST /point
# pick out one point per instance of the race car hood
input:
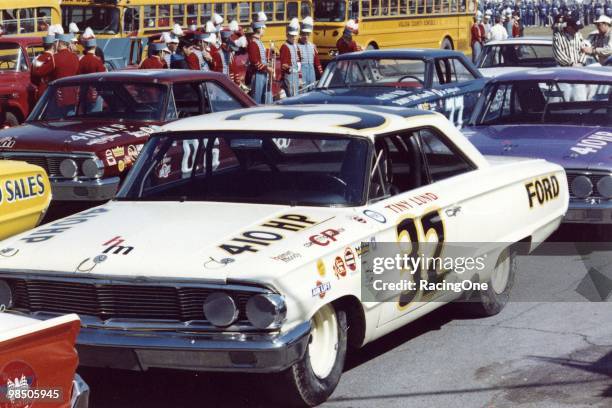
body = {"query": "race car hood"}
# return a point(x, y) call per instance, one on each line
point(573, 147)
point(371, 95)
point(172, 240)
point(74, 136)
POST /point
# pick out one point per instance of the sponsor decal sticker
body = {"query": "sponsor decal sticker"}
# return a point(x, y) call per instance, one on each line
point(8, 252)
point(542, 190)
point(324, 238)
point(358, 219)
point(339, 267)
point(376, 216)
point(287, 256)
point(118, 151)
point(7, 142)
point(213, 263)
point(113, 247)
point(349, 259)
point(321, 267)
point(121, 165)
point(110, 159)
point(267, 233)
point(412, 202)
point(320, 289)
point(22, 188)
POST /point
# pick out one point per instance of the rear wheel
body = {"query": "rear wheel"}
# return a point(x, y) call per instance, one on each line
point(447, 44)
point(491, 301)
point(311, 381)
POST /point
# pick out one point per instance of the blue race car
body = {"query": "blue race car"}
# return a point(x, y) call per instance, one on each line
point(563, 115)
point(440, 80)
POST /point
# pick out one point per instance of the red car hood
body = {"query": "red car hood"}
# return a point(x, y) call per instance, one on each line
point(75, 136)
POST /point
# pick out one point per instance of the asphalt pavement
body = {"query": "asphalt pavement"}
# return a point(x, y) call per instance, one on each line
point(552, 353)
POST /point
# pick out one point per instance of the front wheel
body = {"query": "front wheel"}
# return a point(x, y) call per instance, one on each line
point(311, 381)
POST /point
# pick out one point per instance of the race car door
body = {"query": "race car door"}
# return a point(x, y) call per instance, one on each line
point(458, 86)
point(421, 188)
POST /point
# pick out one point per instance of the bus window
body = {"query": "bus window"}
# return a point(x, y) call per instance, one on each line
point(26, 20)
point(280, 11)
point(393, 7)
point(244, 12)
point(403, 6)
point(205, 13)
point(131, 20)
point(43, 18)
point(178, 14)
point(102, 20)
point(256, 8)
point(354, 10)
point(375, 8)
point(269, 9)
point(163, 15)
point(306, 9)
point(462, 6)
point(232, 12)
point(365, 8)
point(192, 14)
point(330, 10)
point(150, 15)
point(292, 10)
point(219, 9)
point(9, 21)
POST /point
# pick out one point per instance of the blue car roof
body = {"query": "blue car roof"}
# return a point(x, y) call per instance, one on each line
point(558, 74)
point(401, 53)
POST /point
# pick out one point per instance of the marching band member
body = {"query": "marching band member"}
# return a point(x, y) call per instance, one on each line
point(88, 34)
point(259, 71)
point(191, 59)
point(201, 51)
point(66, 62)
point(90, 62)
point(346, 43)
point(224, 58)
point(311, 66)
point(290, 59)
point(43, 65)
point(236, 30)
point(74, 30)
point(210, 41)
point(156, 58)
point(217, 20)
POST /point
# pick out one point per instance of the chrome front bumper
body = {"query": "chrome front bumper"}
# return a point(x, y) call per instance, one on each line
point(94, 190)
point(223, 351)
point(582, 212)
point(80, 393)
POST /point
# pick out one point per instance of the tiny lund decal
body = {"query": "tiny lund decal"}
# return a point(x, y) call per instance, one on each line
point(412, 202)
point(267, 233)
point(23, 188)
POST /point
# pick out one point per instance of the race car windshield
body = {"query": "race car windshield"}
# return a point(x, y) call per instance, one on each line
point(550, 102)
point(513, 55)
point(102, 100)
point(368, 72)
point(11, 58)
point(265, 169)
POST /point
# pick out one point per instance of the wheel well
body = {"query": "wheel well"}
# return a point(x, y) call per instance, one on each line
point(450, 40)
point(15, 111)
point(355, 319)
point(372, 45)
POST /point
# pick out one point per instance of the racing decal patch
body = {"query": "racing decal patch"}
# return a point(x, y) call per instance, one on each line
point(376, 216)
point(542, 190)
point(324, 238)
point(593, 143)
point(23, 188)
point(51, 230)
point(254, 240)
point(7, 142)
point(339, 267)
point(287, 257)
point(321, 289)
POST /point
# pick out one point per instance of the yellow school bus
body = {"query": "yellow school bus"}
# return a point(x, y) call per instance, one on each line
point(394, 24)
point(142, 18)
point(28, 17)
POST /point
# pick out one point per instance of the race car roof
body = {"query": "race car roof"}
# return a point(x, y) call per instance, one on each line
point(521, 41)
point(144, 75)
point(328, 119)
point(602, 74)
point(400, 53)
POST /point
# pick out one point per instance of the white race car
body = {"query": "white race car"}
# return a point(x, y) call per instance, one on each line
point(239, 240)
point(514, 54)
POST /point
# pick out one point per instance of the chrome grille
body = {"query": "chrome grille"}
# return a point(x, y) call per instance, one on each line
point(108, 301)
point(594, 179)
point(50, 163)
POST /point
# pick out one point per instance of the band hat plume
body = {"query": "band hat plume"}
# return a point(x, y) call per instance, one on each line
point(217, 19)
point(210, 27)
point(211, 39)
point(307, 25)
point(177, 30)
point(234, 26)
point(88, 33)
point(294, 27)
point(73, 28)
point(260, 20)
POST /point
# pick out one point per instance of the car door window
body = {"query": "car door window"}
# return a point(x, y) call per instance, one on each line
point(187, 98)
point(462, 73)
point(441, 159)
point(219, 99)
point(443, 71)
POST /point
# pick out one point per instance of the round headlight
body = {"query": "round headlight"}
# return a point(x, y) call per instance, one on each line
point(604, 186)
point(93, 168)
point(6, 296)
point(582, 187)
point(266, 311)
point(68, 168)
point(220, 309)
